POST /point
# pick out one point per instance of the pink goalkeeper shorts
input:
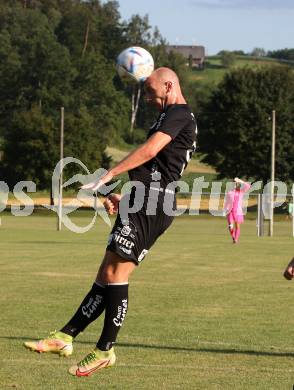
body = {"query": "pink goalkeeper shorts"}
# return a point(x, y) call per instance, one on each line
point(232, 217)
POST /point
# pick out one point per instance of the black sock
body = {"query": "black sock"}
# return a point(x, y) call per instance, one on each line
point(116, 306)
point(90, 309)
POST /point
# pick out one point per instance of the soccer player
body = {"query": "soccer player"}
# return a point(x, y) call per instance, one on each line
point(289, 271)
point(289, 209)
point(233, 208)
point(160, 160)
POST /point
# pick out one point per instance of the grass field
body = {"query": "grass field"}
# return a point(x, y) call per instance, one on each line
point(204, 314)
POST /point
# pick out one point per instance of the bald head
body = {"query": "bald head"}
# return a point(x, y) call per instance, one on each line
point(164, 74)
point(163, 88)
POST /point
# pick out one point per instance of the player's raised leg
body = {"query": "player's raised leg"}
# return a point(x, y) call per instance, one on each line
point(89, 310)
point(56, 342)
point(114, 274)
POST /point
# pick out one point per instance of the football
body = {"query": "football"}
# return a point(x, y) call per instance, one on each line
point(134, 64)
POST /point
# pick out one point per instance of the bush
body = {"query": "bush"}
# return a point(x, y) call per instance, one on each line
point(138, 136)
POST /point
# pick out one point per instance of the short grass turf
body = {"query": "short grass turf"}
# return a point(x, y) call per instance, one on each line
point(204, 313)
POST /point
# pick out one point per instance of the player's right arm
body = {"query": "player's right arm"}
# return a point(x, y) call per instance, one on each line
point(137, 157)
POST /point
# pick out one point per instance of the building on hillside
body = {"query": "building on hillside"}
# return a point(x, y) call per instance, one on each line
point(194, 55)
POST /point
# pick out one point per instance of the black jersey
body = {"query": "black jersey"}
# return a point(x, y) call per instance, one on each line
point(179, 123)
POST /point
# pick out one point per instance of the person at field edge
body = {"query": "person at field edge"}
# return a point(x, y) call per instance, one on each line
point(163, 157)
point(289, 271)
point(233, 208)
point(289, 209)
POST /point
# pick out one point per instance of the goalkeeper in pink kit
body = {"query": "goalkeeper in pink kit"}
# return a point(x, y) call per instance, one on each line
point(233, 208)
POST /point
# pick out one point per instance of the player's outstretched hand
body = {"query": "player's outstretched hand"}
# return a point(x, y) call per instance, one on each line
point(111, 203)
point(237, 180)
point(94, 186)
point(289, 271)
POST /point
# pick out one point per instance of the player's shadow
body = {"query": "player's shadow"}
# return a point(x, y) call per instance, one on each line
point(225, 351)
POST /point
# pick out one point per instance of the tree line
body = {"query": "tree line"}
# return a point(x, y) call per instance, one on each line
point(62, 53)
point(281, 54)
point(236, 124)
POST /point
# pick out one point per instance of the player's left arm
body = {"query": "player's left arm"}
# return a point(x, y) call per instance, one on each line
point(246, 186)
point(137, 157)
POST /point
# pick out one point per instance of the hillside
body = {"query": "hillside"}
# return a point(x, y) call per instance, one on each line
point(194, 167)
point(213, 71)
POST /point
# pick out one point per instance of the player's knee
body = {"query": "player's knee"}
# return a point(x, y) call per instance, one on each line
point(110, 274)
point(107, 275)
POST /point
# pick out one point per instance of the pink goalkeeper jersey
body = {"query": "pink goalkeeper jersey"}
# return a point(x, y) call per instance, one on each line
point(234, 199)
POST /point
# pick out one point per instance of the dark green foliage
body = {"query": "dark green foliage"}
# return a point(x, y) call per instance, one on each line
point(239, 52)
point(236, 52)
point(82, 128)
point(58, 53)
point(138, 31)
point(283, 54)
point(61, 53)
point(228, 58)
point(236, 125)
point(29, 148)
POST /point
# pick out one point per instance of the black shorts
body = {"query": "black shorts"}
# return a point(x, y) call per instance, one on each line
point(133, 241)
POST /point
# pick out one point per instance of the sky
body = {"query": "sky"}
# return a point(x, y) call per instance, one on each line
point(219, 24)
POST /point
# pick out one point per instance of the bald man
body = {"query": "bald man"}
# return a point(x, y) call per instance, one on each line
point(156, 164)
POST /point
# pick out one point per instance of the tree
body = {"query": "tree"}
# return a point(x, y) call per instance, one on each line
point(239, 52)
point(62, 53)
point(227, 59)
point(258, 52)
point(30, 151)
point(138, 31)
point(283, 54)
point(235, 129)
point(93, 88)
point(45, 66)
point(30, 66)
